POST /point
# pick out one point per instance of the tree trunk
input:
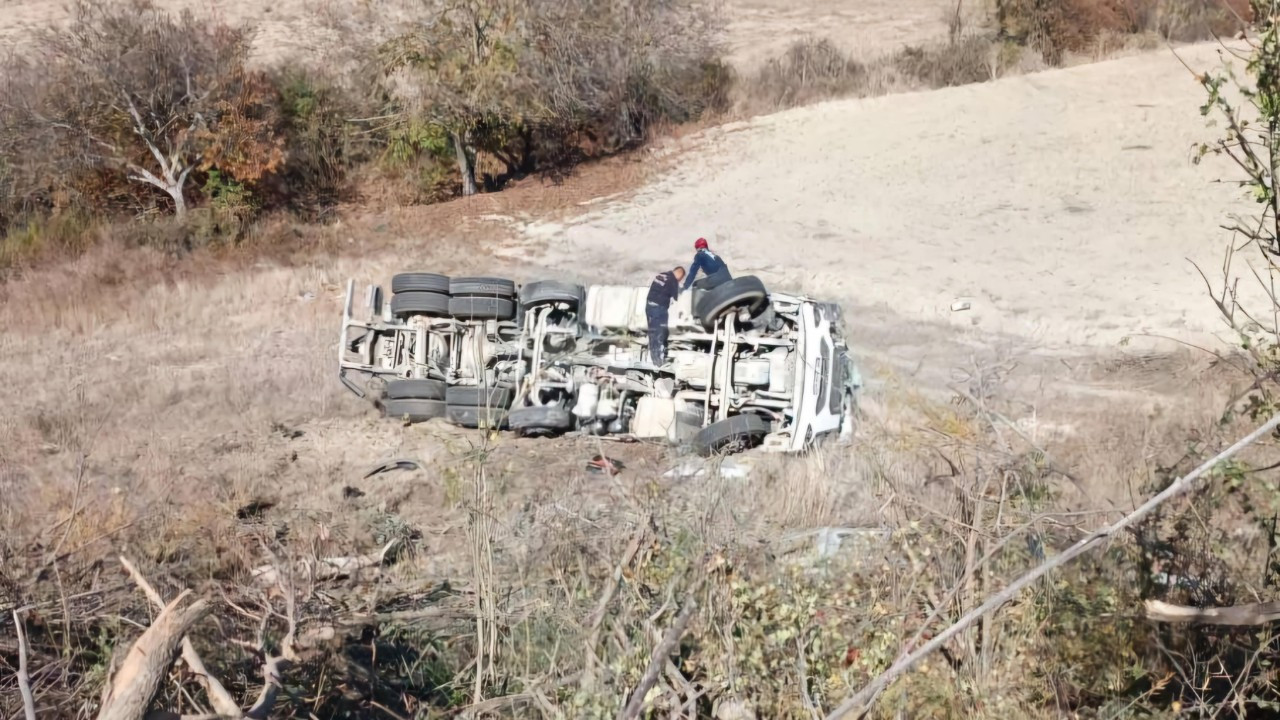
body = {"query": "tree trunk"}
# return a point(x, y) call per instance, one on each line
point(466, 167)
point(179, 200)
point(526, 157)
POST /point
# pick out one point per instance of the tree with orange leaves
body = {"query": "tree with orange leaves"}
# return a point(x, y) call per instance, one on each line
point(155, 97)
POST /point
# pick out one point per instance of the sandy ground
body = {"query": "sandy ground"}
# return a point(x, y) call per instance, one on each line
point(1064, 206)
point(756, 29)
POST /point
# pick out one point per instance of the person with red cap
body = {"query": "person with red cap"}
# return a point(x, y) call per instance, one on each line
point(711, 265)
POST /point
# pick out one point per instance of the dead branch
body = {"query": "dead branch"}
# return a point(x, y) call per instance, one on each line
point(597, 615)
point(271, 684)
point(660, 656)
point(1250, 614)
point(510, 702)
point(223, 703)
point(148, 660)
point(325, 568)
point(24, 680)
point(802, 669)
point(860, 702)
point(221, 700)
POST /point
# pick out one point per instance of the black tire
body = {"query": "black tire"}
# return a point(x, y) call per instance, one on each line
point(416, 389)
point(420, 282)
point(414, 410)
point(545, 291)
point(480, 308)
point(746, 291)
point(475, 417)
point(731, 434)
point(546, 420)
point(483, 287)
point(406, 304)
point(475, 396)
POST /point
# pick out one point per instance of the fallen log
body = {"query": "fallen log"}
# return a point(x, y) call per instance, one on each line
point(148, 661)
point(221, 700)
point(324, 568)
point(1236, 615)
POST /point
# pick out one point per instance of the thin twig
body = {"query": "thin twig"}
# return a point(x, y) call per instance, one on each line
point(802, 668)
point(24, 680)
point(635, 705)
point(860, 702)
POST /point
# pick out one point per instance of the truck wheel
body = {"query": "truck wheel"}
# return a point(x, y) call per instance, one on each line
point(546, 291)
point(548, 420)
point(416, 389)
point(475, 396)
point(477, 417)
point(479, 308)
point(746, 291)
point(482, 287)
point(410, 303)
point(420, 282)
point(731, 435)
point(414, 410)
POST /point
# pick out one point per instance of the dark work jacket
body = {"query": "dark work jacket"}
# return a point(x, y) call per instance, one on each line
point(663, 291)
point(706, 261)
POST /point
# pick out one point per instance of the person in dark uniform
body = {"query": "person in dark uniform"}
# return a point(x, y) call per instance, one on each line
point(711, 265)
point(663, 291)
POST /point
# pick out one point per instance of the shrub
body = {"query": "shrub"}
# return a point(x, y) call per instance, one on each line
point(809, 70)
point(968, 60)
point(546, 84)
point(1056, 27)
point(59, 233)
point(322, 146)
point(153, 99)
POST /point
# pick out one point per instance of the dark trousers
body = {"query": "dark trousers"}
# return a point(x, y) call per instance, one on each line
point(657, 317)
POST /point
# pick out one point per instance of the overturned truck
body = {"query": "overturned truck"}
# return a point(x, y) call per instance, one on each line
point(746, 367)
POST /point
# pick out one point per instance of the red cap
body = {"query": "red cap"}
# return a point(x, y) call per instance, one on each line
point(700, 244)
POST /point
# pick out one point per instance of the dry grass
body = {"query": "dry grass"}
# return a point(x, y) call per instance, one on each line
point(148, 401)
point(162, 408)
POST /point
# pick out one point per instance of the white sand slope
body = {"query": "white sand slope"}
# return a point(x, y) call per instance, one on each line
point(1064, 205)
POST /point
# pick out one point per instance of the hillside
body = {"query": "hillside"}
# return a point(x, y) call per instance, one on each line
point(1063, 205)
point(757, 29)
point(183, 410)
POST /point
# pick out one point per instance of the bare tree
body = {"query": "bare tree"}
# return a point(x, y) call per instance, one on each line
point(138, 91)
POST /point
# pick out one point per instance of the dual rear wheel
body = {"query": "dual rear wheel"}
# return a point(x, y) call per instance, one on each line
point(464, 298)
point(460, 298)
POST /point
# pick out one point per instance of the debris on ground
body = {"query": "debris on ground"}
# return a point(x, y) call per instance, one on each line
point(601, 465)
point(349, 493)
point(254, 510)
point(729, 468)
point(286, 432)
point(829, 539)
point(399, 464)
point(861, 542)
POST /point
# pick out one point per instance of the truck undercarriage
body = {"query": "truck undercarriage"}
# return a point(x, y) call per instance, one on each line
point(745, 367)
